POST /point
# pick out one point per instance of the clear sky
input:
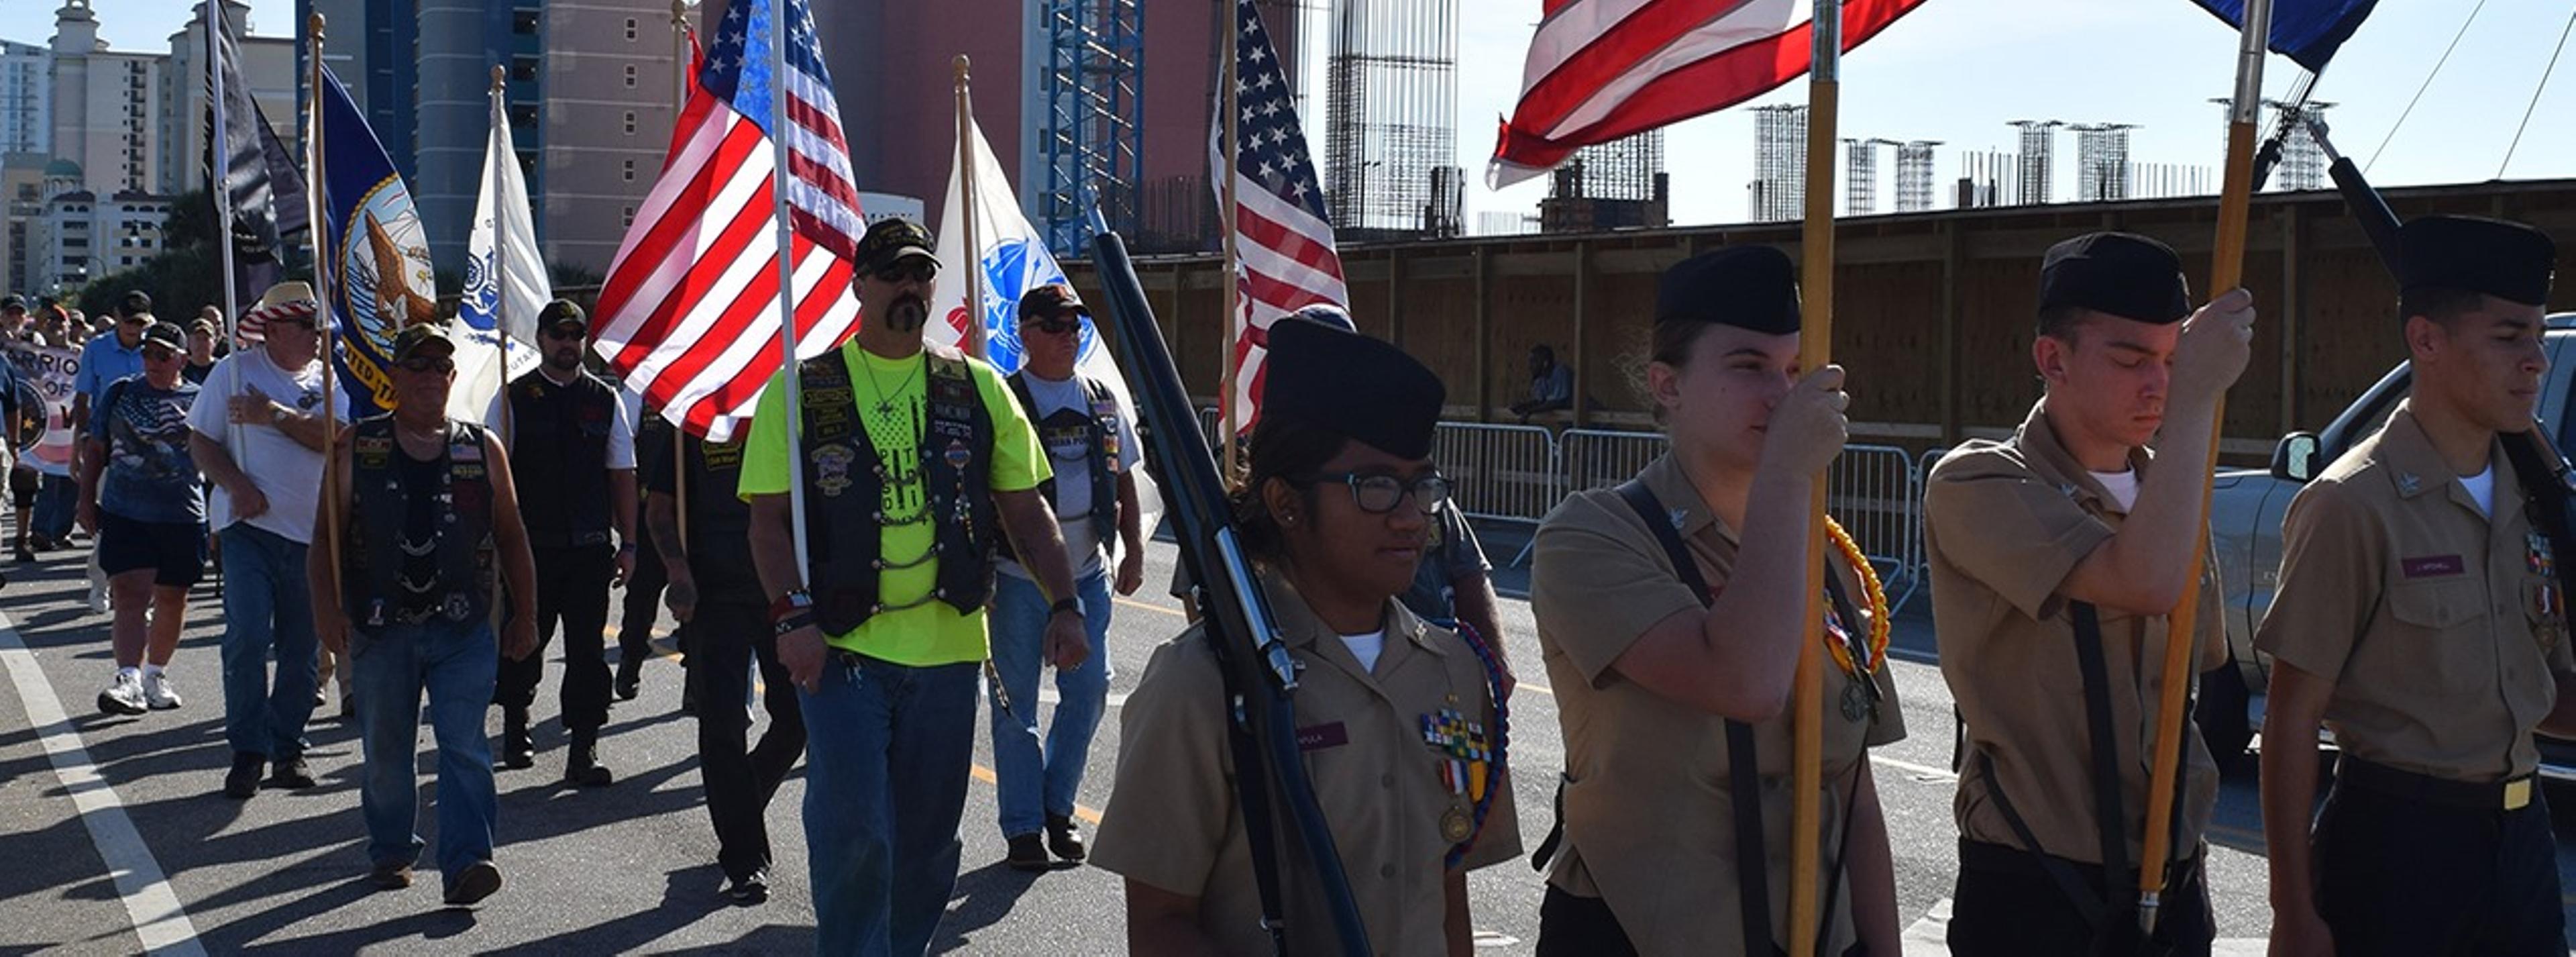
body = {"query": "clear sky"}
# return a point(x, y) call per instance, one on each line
point(1958, 70)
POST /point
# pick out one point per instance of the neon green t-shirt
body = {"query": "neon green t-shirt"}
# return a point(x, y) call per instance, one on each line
point(890, 395)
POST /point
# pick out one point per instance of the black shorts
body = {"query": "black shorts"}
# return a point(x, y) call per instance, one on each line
point(22, 487)
point(174, 551)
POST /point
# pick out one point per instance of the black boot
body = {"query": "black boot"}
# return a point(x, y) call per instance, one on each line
point(630, 676)
point(581, 761)
point(517, 749)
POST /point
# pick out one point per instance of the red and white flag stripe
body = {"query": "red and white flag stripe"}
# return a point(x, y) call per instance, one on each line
point(689, 310)
point(1601, 70)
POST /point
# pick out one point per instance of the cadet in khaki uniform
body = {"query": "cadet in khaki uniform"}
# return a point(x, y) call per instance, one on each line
point(2056, 558)
point(1397, 718)
point(2419, 616)
point(1667, 679)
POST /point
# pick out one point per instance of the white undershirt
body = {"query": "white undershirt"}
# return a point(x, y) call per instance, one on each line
point(2482, 488)
point(1366, 648)
point(2123, 486)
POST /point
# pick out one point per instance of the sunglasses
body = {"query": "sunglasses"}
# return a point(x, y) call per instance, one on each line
point(1054, 325)
point(564, 333)
point(912, 270)
point(159, 353)
point(1379, 493)
point(441, 364)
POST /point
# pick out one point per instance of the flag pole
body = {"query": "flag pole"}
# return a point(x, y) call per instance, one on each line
point(2226, 272)
point(1815, 351)
point(318, 229)
point(1230, 95)
point(220, 166)
point(967, 159)
point(786, 238)
point(679, 433)
point(509, 424)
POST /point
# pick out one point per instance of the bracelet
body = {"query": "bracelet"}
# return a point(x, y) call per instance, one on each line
point(792, 622)
point(789, 604)
point(1062, 605)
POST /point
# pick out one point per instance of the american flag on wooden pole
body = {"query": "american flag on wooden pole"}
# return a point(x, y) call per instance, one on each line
point(1281, 241)
point(689, 313)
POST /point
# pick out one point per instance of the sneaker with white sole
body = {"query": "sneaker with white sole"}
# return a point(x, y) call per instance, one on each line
point(123, 697)
point(158, 692)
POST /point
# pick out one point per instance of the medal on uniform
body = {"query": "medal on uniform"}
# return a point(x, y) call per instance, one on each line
point(1454, 826)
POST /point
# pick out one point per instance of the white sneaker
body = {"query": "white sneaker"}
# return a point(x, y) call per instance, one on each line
point(123, 697)
point(158, 693)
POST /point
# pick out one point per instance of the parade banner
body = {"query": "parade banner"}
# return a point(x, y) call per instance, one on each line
point(51, 371)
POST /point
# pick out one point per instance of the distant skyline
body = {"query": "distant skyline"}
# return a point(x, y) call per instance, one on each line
point(1958, 71)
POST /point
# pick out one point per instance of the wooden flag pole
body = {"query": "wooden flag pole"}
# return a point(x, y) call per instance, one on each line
point(1815, 351)
point(318, 181)
point(967, 157)
point(2226, 272)
point(1228, 103)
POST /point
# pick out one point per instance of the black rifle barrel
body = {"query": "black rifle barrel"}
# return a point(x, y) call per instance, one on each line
point(1270, 773)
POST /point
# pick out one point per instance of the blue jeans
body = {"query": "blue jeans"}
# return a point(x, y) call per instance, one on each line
point(456, 663)
point(267, 604)
point(57, 497)
point(1034, 781)
point(886, 760)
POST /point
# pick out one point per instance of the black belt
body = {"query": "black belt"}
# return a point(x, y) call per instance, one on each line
point(2007, 859)
point(2511, 794)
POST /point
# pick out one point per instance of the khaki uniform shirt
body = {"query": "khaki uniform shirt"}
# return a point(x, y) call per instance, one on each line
point(2005, 524)
point(2440, 626)
point(1172, 821)
point(1649, 820)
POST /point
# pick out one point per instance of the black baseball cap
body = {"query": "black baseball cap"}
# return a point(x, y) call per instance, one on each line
point(889, 240)
point(166, 333)
point(426, 336)
point(1051, 300)
point(563, 312)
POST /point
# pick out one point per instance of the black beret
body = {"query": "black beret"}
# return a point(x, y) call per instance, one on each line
point(2123, 274)
point(1351, 385)
point(2509, 261)
point(1748, 287)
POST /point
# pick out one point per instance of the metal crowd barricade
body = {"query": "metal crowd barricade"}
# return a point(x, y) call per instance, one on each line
point(1595, 458)
point(1922, 538)
point(1498, 472)
point(1209, 426)
point(1873, 491)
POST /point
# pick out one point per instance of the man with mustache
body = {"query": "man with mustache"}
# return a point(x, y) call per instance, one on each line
point(2056, 557)
point(573, 448)
point(912, 458)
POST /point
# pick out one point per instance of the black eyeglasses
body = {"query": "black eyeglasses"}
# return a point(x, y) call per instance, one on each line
point(1378, 493)
point(912, 270)
point(1054, 325)
point(429, 364)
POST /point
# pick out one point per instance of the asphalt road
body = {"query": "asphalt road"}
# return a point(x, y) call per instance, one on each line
point(113, 833)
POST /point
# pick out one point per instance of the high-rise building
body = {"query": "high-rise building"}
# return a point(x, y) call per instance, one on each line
point(2038, 161)
point(26, 98)
point(1613, 185)
point(1914, 176)
point(2102, 161)
point(1779, 191)
point(22, 205)
point(369, 46)
point(267, 66)
point(106, 104)
point(1391, 113)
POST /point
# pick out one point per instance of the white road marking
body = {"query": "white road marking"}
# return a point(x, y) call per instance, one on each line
point(159, 921)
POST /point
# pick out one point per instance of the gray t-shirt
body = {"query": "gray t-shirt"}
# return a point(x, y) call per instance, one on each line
point(1062, 418)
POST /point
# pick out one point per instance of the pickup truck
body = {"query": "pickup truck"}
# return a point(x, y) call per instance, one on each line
point(2246, 509)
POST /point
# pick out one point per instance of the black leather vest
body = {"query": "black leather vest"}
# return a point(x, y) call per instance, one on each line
point(1102, 420)
point(845, 480)
point(373, 591)
point(559, 457)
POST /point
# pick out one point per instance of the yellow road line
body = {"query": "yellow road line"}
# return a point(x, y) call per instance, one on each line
point(986, 775)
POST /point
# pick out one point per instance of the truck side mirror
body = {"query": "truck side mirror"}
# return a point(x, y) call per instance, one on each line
point(2295, 459)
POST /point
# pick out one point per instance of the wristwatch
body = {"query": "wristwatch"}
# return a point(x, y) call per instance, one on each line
point(790, 604)
point(1072, 604)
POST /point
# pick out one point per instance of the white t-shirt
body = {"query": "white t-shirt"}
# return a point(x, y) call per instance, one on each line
point(2123, 486)
point(1366, 647)
point(1062, 420)
point(289, 474)
point(621, 433)
point(2482, 488)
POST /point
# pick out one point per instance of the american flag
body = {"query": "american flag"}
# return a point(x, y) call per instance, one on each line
point(1600, 70)
point(1282, 236)
point(689, 311)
